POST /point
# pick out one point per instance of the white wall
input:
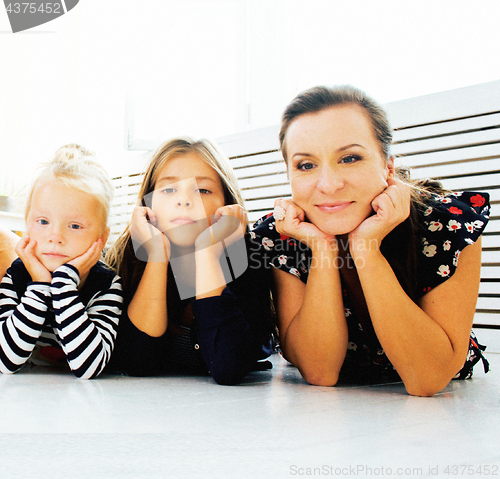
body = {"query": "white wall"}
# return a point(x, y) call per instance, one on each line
point(68, 80)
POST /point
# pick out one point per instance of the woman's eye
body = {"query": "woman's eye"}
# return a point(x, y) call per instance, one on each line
point(305, 166)
point(350, 159)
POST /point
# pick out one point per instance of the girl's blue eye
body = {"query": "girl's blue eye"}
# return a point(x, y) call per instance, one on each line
point(43, 222)
point(305, 166)
point(75, 227)
point(350, 159)
point(168, 190)
point(204, 191)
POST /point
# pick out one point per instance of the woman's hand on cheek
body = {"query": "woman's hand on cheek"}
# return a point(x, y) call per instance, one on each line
point(147, 237)
point(391, 208)
point(294, 225)
point(25, 249)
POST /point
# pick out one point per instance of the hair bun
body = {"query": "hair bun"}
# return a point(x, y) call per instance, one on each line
point(72, 152)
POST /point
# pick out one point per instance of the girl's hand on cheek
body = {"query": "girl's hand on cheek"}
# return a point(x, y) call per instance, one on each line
point(84, 262)
point(228, 224)
point(295, 226)
point(391, 208)
point(146, 235)
point(25, 249)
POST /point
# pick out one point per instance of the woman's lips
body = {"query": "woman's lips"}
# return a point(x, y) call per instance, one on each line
point(334, 207)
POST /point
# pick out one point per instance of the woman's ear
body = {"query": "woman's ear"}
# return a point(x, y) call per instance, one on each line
point(390, 167)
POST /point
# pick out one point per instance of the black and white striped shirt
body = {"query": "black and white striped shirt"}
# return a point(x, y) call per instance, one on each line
point(83, 323)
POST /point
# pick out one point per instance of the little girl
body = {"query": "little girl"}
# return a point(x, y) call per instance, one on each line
point(192, 303)
point(58, 303)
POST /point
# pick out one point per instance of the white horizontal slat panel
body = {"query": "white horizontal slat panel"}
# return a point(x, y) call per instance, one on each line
point(490, 272)
point(490, 337)
point(127, 180)
point(264, 139)
point(447, 128)
point(490, 319)
point(457, 103)
point(260, 171)
point(472, 182)
point(493, 225)
point(447, 142)
point(489, 288)
point(488, 303)
point(490, 151)
point(490, 256)
point(252, 183)
point(465, 168)
point(265, 204)
point(267, 192)
point(490, 241)
point(256, 159)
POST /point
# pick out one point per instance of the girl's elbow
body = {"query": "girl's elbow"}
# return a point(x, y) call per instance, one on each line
point(226, 378)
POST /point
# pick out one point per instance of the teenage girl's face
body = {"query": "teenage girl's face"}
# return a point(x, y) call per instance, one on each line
point(188, 191)
point(335, 167)
point(64, 222)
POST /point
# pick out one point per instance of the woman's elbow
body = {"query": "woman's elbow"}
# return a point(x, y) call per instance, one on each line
point(320, 377)
point(426, 387)
point(421, 391)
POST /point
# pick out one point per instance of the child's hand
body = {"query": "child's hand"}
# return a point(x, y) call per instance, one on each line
point(391, 207)
point(25, 249)
point(146, 235)
point(295, 226)
point(228, 224)
point(84, 262)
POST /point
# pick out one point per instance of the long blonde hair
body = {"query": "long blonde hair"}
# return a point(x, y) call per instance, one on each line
point(121, 256)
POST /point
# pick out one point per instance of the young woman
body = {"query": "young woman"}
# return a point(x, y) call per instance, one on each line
point(377, 291)
point(192, 303)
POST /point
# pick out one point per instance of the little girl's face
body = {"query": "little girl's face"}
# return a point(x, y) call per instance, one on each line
point(64, 222)
point(188, 191)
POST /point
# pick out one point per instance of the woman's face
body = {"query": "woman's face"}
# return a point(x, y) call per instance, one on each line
point(187, 192)
point(335, 167)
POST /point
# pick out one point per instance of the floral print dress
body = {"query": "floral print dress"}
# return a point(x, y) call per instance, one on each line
point(449, 223)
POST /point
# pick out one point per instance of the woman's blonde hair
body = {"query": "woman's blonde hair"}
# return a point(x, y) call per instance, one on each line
point(121, 255)
point(76, 167)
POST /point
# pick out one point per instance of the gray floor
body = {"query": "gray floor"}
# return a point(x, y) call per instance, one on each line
point(273, 425)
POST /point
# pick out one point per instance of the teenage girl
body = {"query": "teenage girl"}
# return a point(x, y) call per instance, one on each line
point(193, 304)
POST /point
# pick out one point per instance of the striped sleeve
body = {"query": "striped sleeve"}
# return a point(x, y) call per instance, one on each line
point(21, 322)
point(87, 333)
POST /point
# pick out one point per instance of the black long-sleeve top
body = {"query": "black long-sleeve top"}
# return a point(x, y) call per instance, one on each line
point(229, 335)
